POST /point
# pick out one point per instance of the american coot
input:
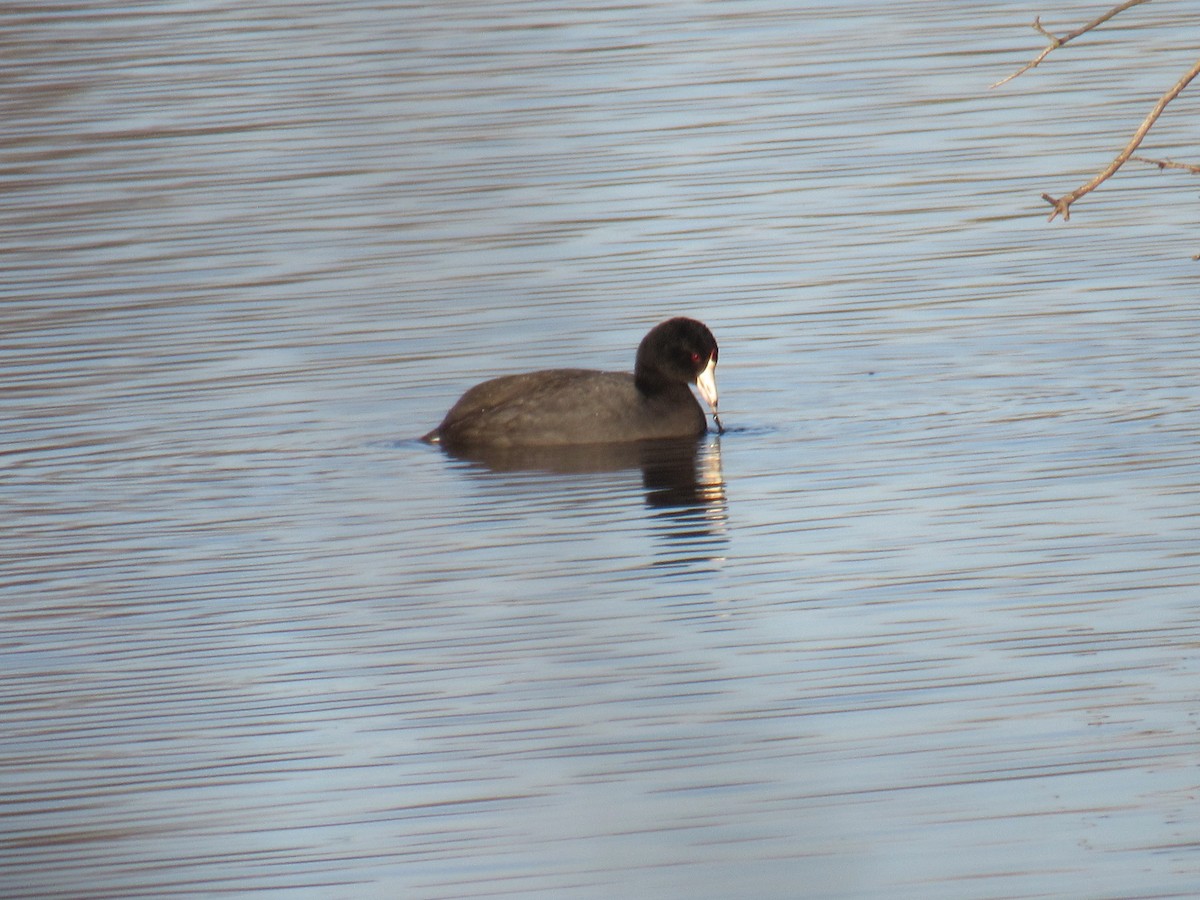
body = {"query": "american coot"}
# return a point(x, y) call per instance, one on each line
point(561, 407)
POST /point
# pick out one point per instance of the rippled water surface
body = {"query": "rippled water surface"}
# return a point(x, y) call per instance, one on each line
point(923, 623)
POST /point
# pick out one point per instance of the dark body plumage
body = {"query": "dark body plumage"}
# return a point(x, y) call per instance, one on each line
point(560, 407)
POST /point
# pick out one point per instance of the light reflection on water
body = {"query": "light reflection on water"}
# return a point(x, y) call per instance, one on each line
point(923, 623)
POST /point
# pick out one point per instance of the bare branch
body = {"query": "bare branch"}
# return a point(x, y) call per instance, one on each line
point(1062, 205)
point(1056, 42)
point(1168, 164)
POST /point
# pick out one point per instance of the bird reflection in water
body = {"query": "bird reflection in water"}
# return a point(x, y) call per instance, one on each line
point(687, 494)
point(682, 479)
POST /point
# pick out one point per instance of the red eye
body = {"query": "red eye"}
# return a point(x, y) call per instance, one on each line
point(695, 357)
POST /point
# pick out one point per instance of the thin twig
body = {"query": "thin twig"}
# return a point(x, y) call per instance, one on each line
point(1168, 164)
point(1062, 205)
point(1056, 42)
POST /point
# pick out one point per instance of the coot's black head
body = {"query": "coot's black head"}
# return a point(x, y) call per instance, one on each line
point(678, 351)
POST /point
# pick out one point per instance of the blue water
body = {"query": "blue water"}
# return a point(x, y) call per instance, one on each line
point(923, 623)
